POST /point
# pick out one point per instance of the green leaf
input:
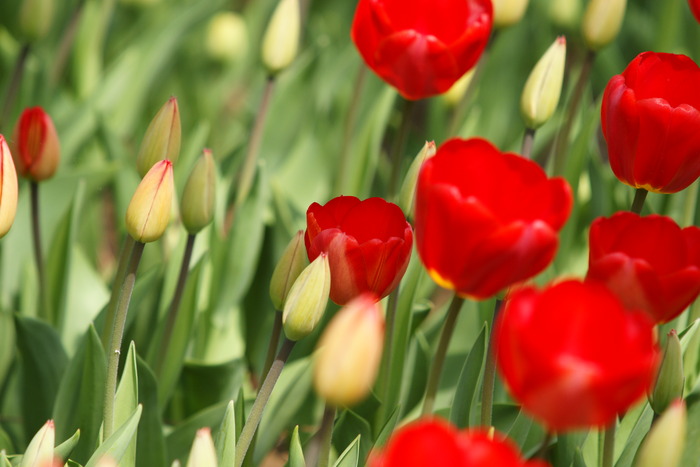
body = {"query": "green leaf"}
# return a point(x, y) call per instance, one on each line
point(387, 429)
point(64, 450)
point(7, 343)
point(690, 345)
point(150, 444)
point(116, 445)
point(208, 384)
point(226, 438)
point(179, 441)
point(348, 427)
point(127, 400)
point(351, 456)
point(464, 401)
point(6, 442)
point(631, 432)
point(691, 453)
point(296, 453)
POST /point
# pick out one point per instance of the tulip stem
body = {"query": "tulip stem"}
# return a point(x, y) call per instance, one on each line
point(15, 81)
point(528, 142)
point(45, 310)
point(256, 412)
point(326, 433)
point(459, 112)
point(542, 451)
point(609, 446)
point(115, 341)
point(440, 353)
point(490, 372)
point(66, 43)
point(274, 343)
point(397, 149)
point(343, 168)
point(124, 258)
point(388, 355)
point(640, 195)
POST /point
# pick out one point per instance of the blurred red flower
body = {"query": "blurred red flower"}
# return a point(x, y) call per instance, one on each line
point(368, 244)
point(695, 8)
point(649, 262)
point(572, 355)
point(651, 120)
point(486, 219)
point(35, 147)
point(421, 47)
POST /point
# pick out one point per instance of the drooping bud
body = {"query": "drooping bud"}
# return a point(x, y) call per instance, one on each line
point(670, 380)
point(665, 442)
point(35, 147)
point(148, 213)
point(543, 87)
point(408, 189)
point(293, 261)
point(227, 37)
point(456, 93)
point(40, 449)
point(349, 352)
point(162, 139)
point(35, 18)
point(508, 12)
point(8, 188)
point(199, 196)
point(307, 299)
point(281, 40)
point(203, 453)
point(602, 22)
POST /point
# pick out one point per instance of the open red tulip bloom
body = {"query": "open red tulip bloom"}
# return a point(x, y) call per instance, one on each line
point(36, 148)
point(651, 120)
point(649, 262)
point(486, 219)
point(421, 47)
point(573, 356)
point(368, 244)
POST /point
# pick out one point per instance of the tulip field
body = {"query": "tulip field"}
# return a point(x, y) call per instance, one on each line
point(384, 233)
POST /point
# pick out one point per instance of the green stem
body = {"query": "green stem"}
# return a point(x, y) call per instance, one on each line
point(489, 373)
point(66, 43)
point(640, 195)
point(609, 446)
point(274, 343)
point(397, 149)
point(124, 258)
point(542, 451)
point(326, 433)
point(461, 109)
point(15, 82)
point(528, 142)
point(45, 310)
point(440, 353)
point(387, 356)
point(691, 201)
point(256, 412)
point(344, 167)
point(115, 341)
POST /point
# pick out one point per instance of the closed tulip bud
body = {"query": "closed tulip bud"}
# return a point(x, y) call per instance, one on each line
point(40, 449)
point(281, 39)
point(106, 461)
point(602, 22)
point(543, 87)
point(665, 442)
point(508, 12)
point(408, 189)
point(307, 299)
point(35, 18)
point(227, 37)
point(199, 196)
point(148, 213)
point(349, 352)
point(292, 263)
point(203, 453)
point(565, 13)
point(455, 94)
point(35, 150)
point(162, 139)
point(670, 380)
point(8, 188)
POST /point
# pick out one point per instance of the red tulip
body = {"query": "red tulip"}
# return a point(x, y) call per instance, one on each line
point(35, 150)
point(486, 219)
point(368, 244)
point(421, 47)
point(573, 356)
point(649, 262)
point(651, 121)
point(695, 8)
point(435, 442)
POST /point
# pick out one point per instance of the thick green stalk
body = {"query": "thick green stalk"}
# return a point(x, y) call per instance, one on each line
point(640, 195)
point(45, 309)
point(489, 373)
point(124, 258)
point(528, 142)
point(326, 433)
point(383, 385)
point(609, 446)
point(274, 342)
point(397, 149)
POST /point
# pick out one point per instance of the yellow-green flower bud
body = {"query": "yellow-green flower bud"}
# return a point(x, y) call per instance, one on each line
point(307, 299)
point(106, 461)
point(281, 40)
point(565, 13)
point(148, 213)
point(665, 442)
point(293, 261)
point(408, 189)
point(508, 12)
point(349, 352)
point(40, 449)
point(199, 196)
point(602, 22)
point(543, 87)
point(670, 380)
point(203, 453)
point(8, 188)
point(456, 93)
point(162, 139)
point(227, 37)
point(35, 18)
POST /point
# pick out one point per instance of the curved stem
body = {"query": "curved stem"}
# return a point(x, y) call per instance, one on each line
point(274, 342)
point(489, 373)
point(528, 142)
point(640, 195)
point(343, 171)
point(124, 258)
point(609, 446)
point(45, 310)
point(397, 149)
point(15, 81)
point(326, 433)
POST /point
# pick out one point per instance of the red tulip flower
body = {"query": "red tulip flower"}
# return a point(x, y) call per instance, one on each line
point(695, 8)
point(35, 150)
point(649, 262)
point(435, 442)
point(651, 120)
point(368, 244)
point(421, 47)
point(486, 219)
point(573, 356)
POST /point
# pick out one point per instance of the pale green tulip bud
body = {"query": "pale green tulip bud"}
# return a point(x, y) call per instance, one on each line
point(307, 299)
point(40, 449)
point(8, 188)
point(543, 87)
point(35, 18)
point(408, 189)
point(227, 37)
point(199, 196)
point(670, 380)
point(508, 12)
point(148, 213)
point(162, 139)
point(456, 93)
point(281, 40)
point(290, 265)
point(203, 453)
point(664, 444)
point(565, 13)
point(106, 461)
point(602, 22)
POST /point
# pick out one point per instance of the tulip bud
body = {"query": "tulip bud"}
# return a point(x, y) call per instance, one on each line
point(199, 195)
point(565, 13)
point(203, 453)
point(35, 148)
point(8, 188)
point(281, 39)
point(508, 12)
point(665, 442)
point(227, 37)
point(40, 449)
point(602, 22)
point(670, 380)
point(408, 189)
point(543, 87)
point(162, 139)
point(349, 352)
point(106, 461)
point(290, 265)
point(148, 213)
point(457, 91)
point(35, 18)
point(307, 299)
